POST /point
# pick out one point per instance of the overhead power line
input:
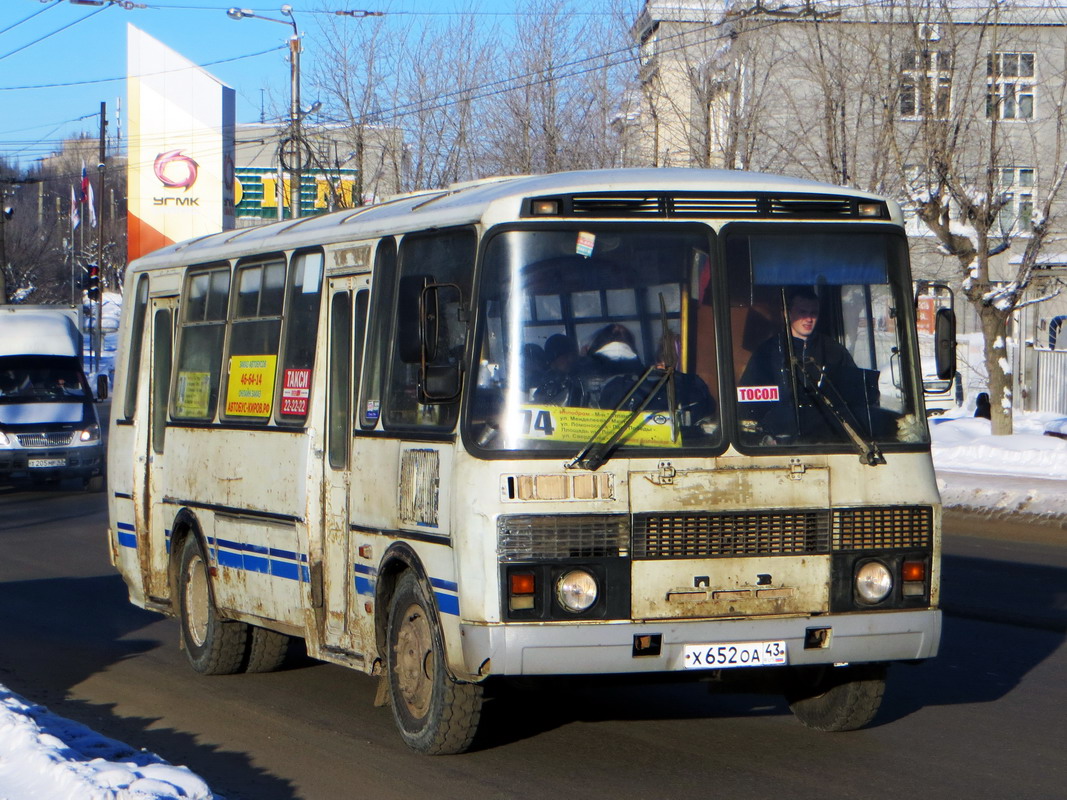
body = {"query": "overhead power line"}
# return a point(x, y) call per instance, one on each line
point(53, 33)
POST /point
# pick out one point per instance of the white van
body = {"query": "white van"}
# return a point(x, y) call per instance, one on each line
point(49, 429)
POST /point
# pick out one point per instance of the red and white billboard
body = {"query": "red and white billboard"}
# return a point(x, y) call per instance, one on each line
point(181, 150)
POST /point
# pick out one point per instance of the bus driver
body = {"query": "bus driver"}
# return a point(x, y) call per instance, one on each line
point(785, 402)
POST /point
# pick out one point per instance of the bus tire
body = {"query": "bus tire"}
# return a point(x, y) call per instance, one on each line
point(435, 714)
point(836, 698)
point(267, 649)
point(214, 646)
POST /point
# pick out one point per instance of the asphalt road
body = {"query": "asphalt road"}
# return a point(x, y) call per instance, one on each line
point(983, 720)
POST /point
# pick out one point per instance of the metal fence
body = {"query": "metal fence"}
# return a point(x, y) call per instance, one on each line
point(1051, 380)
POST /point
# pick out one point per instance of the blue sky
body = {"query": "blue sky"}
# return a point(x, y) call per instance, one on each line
point(59, 61)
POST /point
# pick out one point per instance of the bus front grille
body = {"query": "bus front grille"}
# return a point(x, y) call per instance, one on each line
point(888, 528)
point(781, 532)
point(524, 537)
point(728, 535)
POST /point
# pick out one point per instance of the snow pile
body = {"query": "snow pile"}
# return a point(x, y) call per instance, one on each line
point(45, 756)
point(997, 475)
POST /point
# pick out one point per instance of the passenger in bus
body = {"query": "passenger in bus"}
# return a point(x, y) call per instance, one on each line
point(823, 370)
point(534, 366)
point(692, 398)
point(612, 351)
point(560, 385)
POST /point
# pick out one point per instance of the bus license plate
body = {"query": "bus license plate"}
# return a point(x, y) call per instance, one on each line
point(734, 654)
point(40, 463)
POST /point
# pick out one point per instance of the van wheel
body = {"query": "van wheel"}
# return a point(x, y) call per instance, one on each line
point(435, 714)
point(267, 650)
point(214, 646)
point(836, 698)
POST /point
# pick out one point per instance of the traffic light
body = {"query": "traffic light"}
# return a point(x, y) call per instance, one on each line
point(92, 283)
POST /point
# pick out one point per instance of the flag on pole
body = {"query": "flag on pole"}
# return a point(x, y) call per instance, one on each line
point(75, 215)
point(92, 204)
point(85, 183)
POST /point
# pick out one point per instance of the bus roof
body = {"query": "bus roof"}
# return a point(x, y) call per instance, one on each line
point(622, 193)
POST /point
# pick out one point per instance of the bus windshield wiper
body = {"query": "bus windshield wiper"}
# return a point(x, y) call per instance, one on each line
point(594, 453)
point(868, 450)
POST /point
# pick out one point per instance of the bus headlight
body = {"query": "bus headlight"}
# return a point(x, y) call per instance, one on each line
point(90, 434)
point(874, 582)
point(4, 441)
point(576, 590)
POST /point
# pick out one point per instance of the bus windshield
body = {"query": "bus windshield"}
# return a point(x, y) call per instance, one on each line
point(822, 346)
point(595, 333)
point(606, 334)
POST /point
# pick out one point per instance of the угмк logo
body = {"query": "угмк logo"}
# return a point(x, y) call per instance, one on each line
point(175, 170)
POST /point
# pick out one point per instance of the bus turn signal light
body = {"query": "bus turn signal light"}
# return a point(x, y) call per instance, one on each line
point(522, 588)
point(913, 571)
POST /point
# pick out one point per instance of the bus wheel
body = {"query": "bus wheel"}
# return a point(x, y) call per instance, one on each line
point(435, 714)
point(214, 646)
point(836, 698)
point(267, 650)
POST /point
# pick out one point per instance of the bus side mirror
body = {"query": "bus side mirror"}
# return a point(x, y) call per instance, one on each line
point(440, 384)
point(411, 323)
point(945, 343)
point(101, 387)
point(441, 374)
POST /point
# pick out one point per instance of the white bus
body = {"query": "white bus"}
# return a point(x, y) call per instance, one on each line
point(535, 426)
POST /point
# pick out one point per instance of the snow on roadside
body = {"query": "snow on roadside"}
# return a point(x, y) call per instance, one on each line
point(1025, 473)
point(46, 756)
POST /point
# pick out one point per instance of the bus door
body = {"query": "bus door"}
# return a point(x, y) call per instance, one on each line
point(348, 296)
point(153, 543)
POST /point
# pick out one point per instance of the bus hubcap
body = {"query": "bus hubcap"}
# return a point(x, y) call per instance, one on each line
point(414, 661)
point(196, 601)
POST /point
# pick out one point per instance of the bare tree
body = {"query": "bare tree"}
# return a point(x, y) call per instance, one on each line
point(929, 101)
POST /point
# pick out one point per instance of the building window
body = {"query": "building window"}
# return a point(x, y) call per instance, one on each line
point(649, 45)
point(1017, 184)
point(1010, 86)
point(926, 83)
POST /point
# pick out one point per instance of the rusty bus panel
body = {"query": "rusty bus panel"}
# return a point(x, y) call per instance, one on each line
point(730, 587)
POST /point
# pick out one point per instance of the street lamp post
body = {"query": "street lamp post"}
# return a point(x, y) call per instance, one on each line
point(295, 137)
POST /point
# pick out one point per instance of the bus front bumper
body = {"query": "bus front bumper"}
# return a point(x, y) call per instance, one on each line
point(610, 647)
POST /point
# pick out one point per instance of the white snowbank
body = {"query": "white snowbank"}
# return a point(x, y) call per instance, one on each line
point(46, 756)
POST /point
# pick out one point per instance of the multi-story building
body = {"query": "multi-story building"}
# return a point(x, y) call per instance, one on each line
point(958, 110)
point(340, 167)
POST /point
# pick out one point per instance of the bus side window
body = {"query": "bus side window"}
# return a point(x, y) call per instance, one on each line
point(133, 365)
point(384, 280)
point(255, 332)
point(202, 334)
point(446, 258)
point(340, 373)
point(300, 334)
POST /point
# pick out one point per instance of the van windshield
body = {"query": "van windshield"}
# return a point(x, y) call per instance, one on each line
point(36, 379)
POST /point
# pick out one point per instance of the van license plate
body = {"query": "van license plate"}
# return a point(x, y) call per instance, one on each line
point(734, 654)
point(40, 463)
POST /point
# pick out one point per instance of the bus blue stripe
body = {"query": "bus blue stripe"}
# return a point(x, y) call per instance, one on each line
point(284, 569)
point(448, 586)
point(447, 603)
point(228, 559)
point(364, 586)
point(127, 539)
point(125, 526)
